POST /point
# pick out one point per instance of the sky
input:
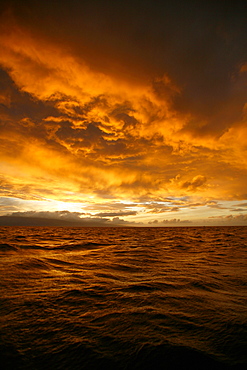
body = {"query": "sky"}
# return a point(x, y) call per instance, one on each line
point(124, 113)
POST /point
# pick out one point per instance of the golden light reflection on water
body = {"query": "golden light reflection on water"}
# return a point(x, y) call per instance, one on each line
point(161, 286)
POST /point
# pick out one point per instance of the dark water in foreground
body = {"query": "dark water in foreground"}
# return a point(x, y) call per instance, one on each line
point(123, 298)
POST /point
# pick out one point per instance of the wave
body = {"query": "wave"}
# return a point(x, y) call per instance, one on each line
point(81, 246)
point(127, 299)
point(84, 357)
point(210, 287)
point(32, 247)
point(87, 246)
point(33, 264)
point(167, 356)
point(4, 247)
point(156, 286)
point(59, 262)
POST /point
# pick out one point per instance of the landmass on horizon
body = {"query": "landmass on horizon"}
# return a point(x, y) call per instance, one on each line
point(56, 221)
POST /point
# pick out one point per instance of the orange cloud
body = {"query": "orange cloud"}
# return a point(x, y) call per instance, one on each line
point(67, 127)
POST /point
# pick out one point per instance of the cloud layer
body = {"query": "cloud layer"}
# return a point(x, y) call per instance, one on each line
point(95, 113)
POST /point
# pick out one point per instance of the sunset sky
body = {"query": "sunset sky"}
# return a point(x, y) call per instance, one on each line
point(124, 112)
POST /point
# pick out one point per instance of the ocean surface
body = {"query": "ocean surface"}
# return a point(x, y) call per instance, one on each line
point(123, 298)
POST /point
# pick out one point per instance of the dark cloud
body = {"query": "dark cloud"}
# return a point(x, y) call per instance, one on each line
point(200, 45)
point(160, 207)
point(176, 221)
point(243, 204)
point(48, 214)
point(196, 182)
point(18, 105)
point(154, 222)
point(116, 214)
point(59, 218)
point(230, 219)
point(170, 222)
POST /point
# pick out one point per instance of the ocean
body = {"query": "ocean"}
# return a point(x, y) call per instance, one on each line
point(123, 298)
